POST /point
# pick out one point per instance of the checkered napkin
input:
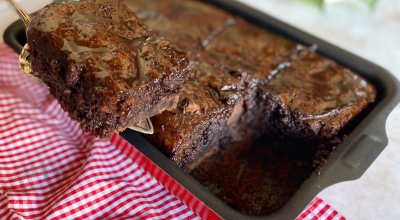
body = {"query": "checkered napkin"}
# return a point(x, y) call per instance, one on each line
point(50, 169)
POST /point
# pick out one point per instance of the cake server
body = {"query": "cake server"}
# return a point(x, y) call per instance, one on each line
point(144, 126)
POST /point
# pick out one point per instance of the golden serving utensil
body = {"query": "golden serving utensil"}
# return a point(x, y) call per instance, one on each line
point(25, 17)
point(25, 64)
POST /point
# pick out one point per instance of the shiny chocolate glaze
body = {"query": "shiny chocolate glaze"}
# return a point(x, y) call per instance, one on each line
point(92, 33)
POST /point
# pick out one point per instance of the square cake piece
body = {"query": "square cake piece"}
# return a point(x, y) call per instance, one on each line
point(210, 100)
point(104, 66)
point(314, 97)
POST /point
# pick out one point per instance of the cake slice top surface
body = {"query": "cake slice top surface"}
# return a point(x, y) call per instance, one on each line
point(109, 42)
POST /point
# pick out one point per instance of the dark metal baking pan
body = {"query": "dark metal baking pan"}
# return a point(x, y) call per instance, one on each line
point(366, 139)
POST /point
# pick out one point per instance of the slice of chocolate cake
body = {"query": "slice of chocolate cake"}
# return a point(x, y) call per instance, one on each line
point(104, 66)
point(315, 97)
point(211, 98)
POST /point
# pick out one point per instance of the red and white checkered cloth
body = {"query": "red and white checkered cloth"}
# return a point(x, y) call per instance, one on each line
point(50, 169)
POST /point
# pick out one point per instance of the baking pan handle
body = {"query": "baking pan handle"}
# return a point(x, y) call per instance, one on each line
point(346, 164)
point(362, 153)
point(367, 142)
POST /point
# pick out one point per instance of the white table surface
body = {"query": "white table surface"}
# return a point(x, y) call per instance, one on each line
point(372, 35)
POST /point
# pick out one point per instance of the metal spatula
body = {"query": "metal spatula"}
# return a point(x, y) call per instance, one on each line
point(145, 126)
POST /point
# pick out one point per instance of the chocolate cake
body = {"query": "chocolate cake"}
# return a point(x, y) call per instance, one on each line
point(286, 112)
point(104, 66)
